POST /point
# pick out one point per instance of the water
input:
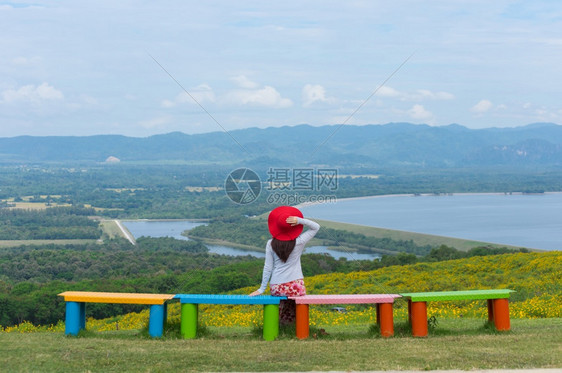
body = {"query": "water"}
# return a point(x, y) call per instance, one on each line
point(349, 255)
point(174, 228)
point(160, 228)
point(533, 221)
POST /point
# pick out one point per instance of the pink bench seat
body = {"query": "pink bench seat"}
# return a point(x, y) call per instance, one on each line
point(383, 308)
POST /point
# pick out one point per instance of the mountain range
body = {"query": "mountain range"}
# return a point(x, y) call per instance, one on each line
point(388, 145)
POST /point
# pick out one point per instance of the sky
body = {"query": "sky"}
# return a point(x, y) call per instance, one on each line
point(140, 68)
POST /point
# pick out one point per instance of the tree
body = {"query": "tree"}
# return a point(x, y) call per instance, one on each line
point(444, 252)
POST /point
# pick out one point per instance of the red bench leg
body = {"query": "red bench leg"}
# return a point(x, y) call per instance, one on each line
point(501, 314)
point(385, 319)
point(302, 321)
point(419, 319)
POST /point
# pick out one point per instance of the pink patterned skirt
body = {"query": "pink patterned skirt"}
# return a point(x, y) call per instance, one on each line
point(287, 308)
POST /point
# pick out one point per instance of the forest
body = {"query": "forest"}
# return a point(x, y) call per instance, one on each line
point(52, 223)
point(187, 191)
point(32, 275)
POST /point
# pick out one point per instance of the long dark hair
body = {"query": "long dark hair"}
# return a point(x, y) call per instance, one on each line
point(283, 248)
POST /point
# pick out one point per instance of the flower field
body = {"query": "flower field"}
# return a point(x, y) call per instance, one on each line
point(536, 278)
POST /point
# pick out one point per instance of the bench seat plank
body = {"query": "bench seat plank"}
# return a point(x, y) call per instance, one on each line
point(127, 298)
point(345, 298)
point(228, 299)
point(458, 295)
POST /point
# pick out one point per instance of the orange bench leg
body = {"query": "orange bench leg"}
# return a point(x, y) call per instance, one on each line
point(490, 310)
point(385, 319)
point(419, 319)
point(302, 321)
point(410, 311)
point(501, 314)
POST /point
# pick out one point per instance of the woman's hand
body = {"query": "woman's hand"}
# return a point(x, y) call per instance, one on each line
point(255, 293)
point(293, 220)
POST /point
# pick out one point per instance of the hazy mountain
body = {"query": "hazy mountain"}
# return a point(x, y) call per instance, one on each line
point(393, 144)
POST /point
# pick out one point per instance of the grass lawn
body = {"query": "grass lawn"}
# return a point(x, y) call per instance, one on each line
point(211, 241)
point(111, 228)
point(455, 344)
point(37, 205)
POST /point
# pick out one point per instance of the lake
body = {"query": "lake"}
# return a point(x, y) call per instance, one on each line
point(527, 220)
point(174, 228)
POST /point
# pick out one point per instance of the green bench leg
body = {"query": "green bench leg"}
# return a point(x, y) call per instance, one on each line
point(189, 314)
point(270, 321)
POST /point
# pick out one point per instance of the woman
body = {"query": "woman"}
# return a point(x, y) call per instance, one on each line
point(282, 268)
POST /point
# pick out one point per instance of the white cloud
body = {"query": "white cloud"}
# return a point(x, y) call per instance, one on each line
point(417, 95)
point(82, 101)
point(8, 7)
point(155, 122)
point(314, 93)
point(201, 93)
point(20, 61)
point(243, 82)
point(88, 100)
point(385, 91)
point(418, 112)
point(168, 104)
point(266, 96)
point(32, 93)
point(351, 45)
point(482, 106)
point(25, 61)
point(422, 94)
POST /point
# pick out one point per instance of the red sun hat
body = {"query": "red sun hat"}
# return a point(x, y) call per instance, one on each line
point(278, 226)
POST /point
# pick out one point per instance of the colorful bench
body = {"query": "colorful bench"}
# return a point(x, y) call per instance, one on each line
point(76, 308)
point(190, 302)
point(498, 307)
point(383, 308)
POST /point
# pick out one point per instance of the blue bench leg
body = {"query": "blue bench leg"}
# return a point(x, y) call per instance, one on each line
point(75, 317)
point(82, 315)
point(156, 320)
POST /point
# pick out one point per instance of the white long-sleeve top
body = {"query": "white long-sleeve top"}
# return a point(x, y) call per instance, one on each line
point(275, 271)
